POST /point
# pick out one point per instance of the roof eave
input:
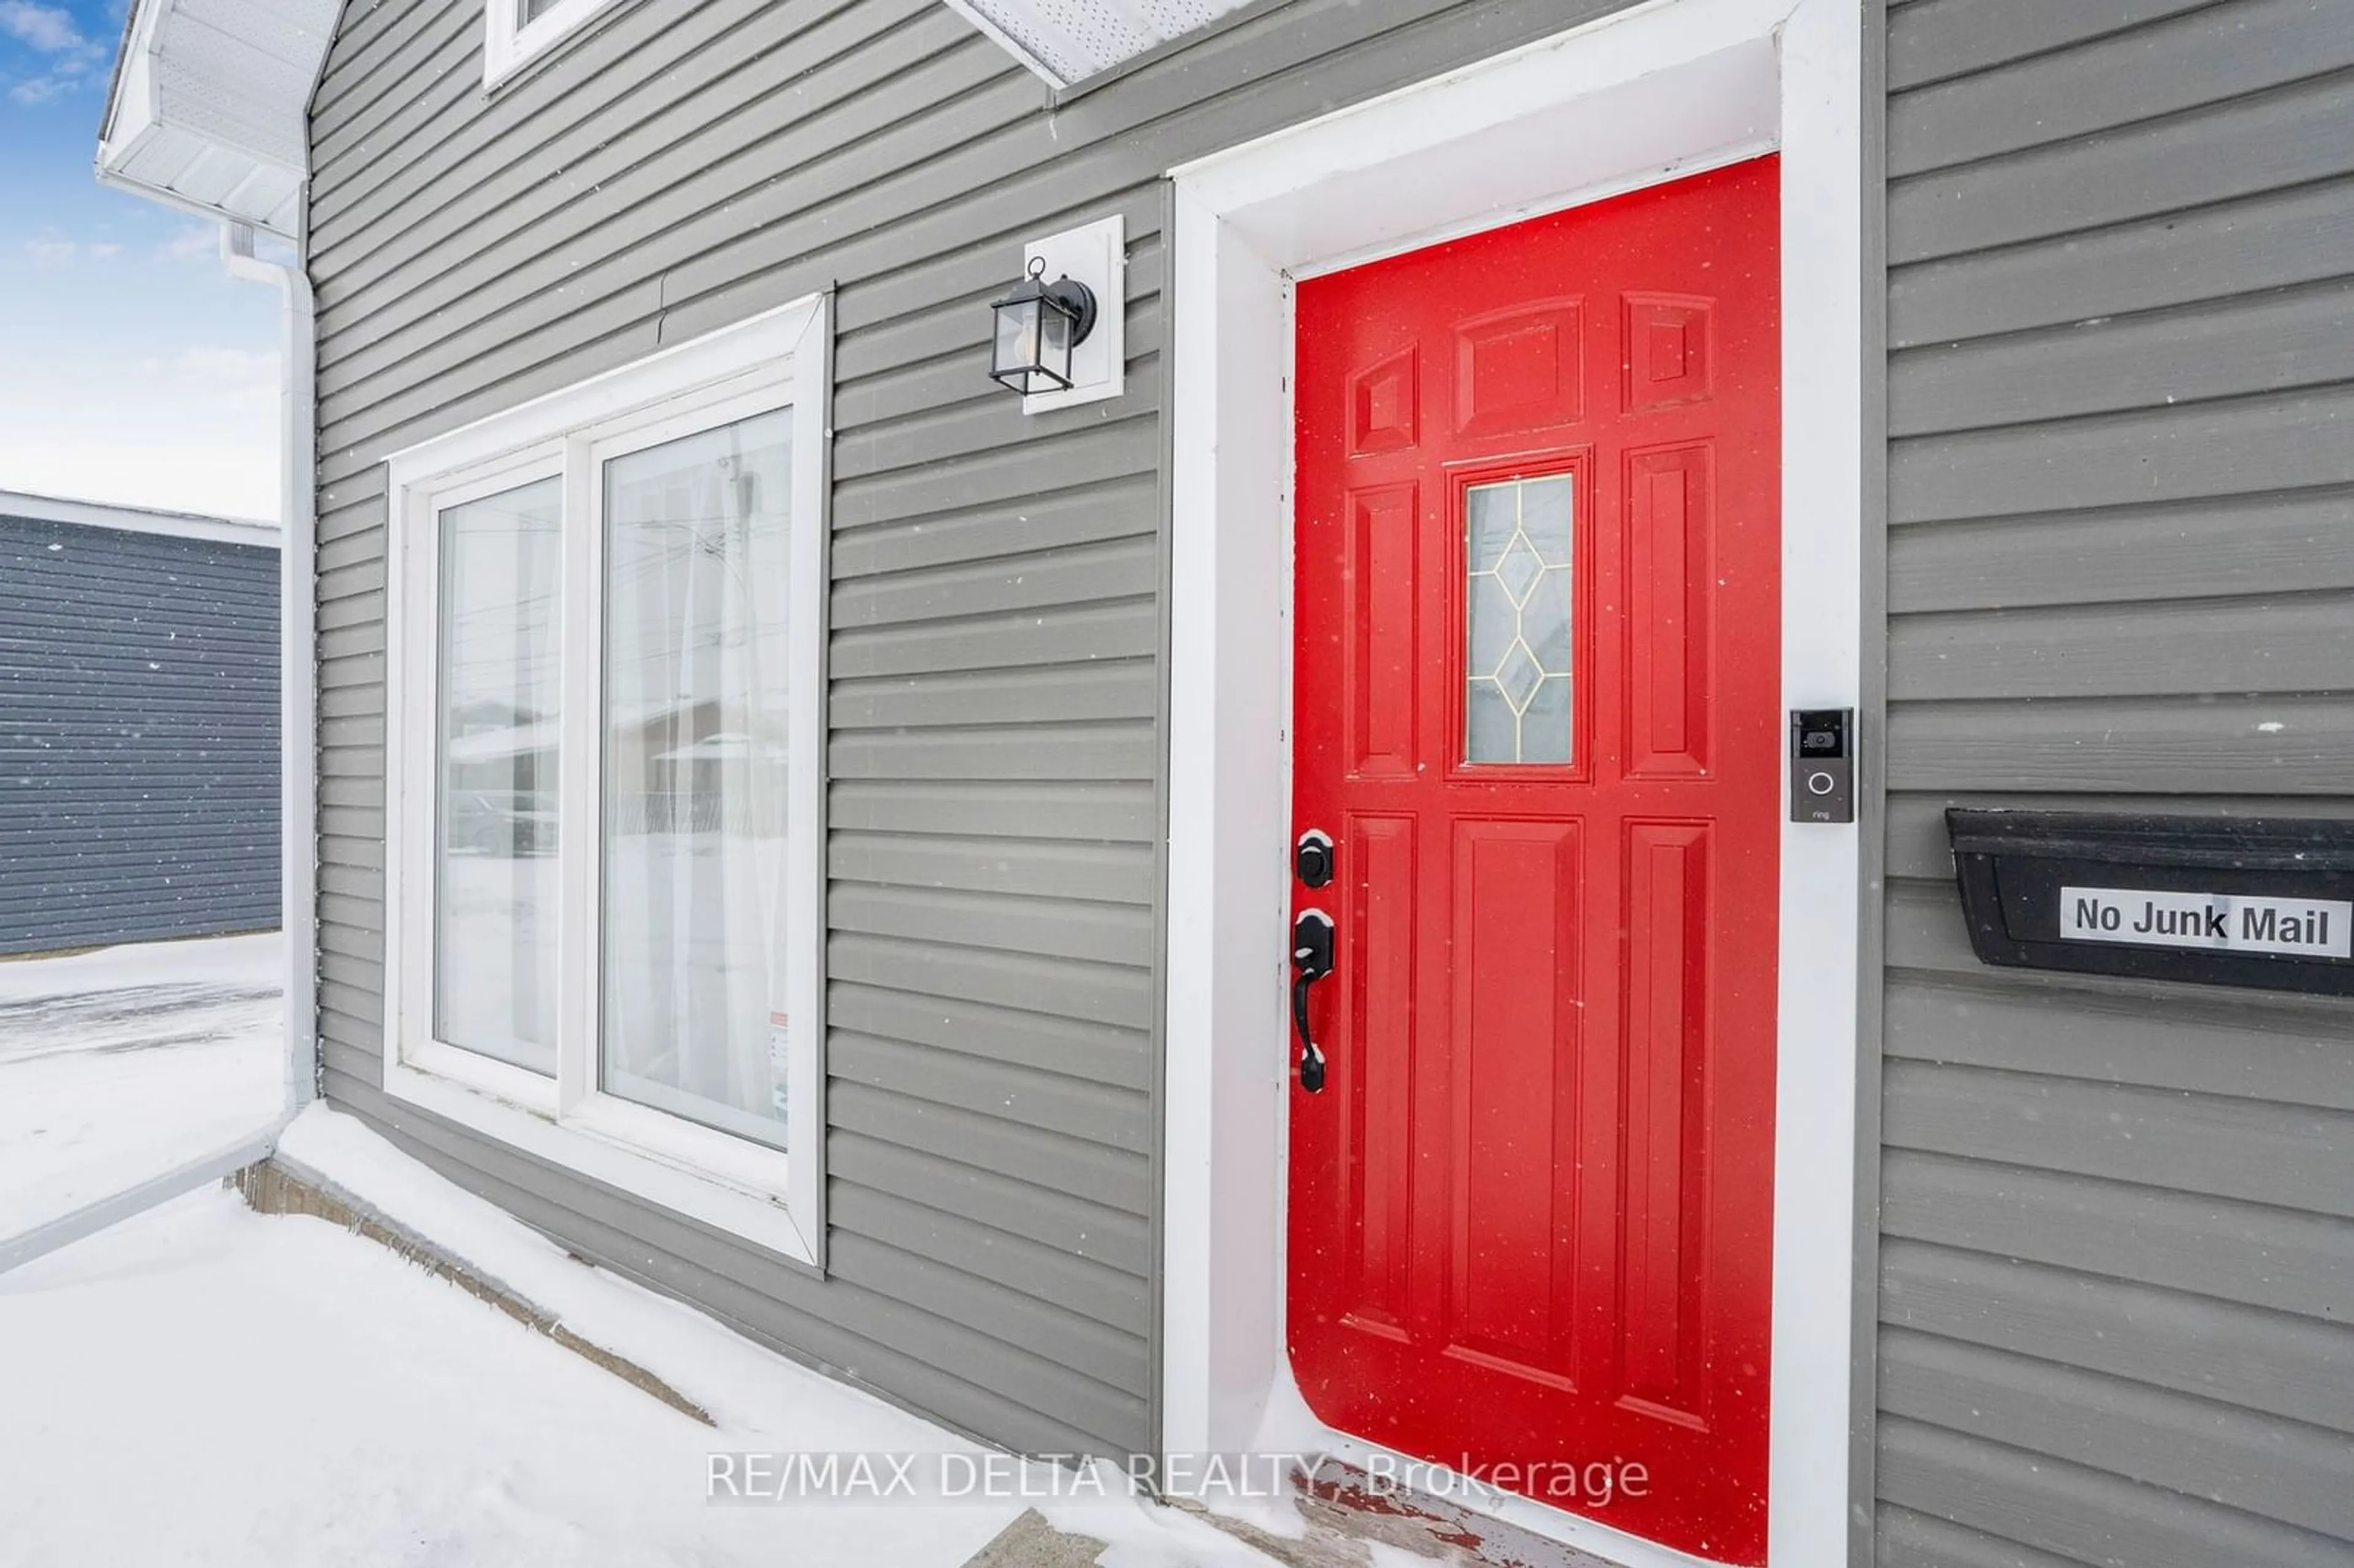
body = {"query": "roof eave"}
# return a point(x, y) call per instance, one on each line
point(187, 160)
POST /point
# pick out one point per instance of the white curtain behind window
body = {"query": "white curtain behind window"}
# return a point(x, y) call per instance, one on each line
point(697, 641)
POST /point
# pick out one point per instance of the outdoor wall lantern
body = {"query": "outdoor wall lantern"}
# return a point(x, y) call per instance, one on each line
point(1038, 325)
point(1059, 337)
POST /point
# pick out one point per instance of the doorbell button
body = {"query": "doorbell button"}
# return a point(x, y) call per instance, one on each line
point(1822, 765)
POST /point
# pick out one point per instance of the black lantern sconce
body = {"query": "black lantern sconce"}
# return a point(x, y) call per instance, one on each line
point(1038, 325)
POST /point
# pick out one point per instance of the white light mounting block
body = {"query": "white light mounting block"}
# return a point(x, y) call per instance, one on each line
point(1096, 256)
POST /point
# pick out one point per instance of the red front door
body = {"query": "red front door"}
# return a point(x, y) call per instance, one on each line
point(1537, 679)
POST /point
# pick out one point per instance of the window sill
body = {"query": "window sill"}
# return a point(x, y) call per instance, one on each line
point(584, 1147)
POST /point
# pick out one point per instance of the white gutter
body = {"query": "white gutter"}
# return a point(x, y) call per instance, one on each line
point(298, 681)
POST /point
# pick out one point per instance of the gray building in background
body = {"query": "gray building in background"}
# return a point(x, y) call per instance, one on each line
point(2061, 1262)
point(139, 725)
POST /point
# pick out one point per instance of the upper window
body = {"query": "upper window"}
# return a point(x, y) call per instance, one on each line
point(604, 873)
point(519, 29)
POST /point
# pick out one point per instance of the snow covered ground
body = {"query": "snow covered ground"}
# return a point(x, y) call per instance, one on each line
point(205, 1385)
point(120, 1065)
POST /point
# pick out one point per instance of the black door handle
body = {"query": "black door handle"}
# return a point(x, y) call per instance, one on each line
point(1311, 960)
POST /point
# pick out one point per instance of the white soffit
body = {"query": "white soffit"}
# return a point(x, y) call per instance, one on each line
point(1067, 41)
point(211, 102)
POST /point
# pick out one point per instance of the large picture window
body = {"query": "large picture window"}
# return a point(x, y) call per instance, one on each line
point(606, 637)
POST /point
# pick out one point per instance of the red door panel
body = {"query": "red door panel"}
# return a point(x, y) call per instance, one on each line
point(1539, 714)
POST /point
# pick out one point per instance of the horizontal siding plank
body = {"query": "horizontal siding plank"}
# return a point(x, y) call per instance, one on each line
point(1113, 1178)
point(1100, 993)
point(1125, 629)
point(1108, 1296)
point(985, 1201)
point(2274, 1258)
point(2234, 1355)
point(2288, 442)
point(2270, 542)
point(363, 972)
point(1074, 455)
point(1011, 579)
point(1048, 927)
point(1058, 752)
point(1935, 39)
point(2271, 342)
point(2192, 60)
point(2287, 644)
point(1108, 873)
point(2272, 1469)
point(2049, 1504)
point(2265, 144)
point(1046, 1330)
point(2272, 745)
point(1120, 509)
point(2247, 1150)
point(1114, 689)
point(2284, 1058)
point(1115, 811)
point(2273, 240)
point(985, 425)
point(1905, 1538)
point(1070, 1048)
point(1047, 1101)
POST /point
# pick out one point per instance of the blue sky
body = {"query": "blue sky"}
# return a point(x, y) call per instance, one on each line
point(131, 368)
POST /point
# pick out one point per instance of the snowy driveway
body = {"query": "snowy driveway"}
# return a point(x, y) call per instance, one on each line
point(118, 1066)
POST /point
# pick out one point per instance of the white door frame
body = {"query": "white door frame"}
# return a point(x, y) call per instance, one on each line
point(1660, 91)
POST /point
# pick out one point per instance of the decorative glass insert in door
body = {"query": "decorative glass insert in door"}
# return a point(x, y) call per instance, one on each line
point(696, 538)
point(1517, 687)
point(494, 904)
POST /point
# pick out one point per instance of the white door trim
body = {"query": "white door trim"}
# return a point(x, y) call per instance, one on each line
point(1654, 92)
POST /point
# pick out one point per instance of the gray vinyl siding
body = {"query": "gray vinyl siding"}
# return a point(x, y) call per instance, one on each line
point(2116, 1237)
point(995, 745)
point(139, 778)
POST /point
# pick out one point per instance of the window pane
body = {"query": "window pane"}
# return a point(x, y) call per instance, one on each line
point(495, 912)
point(529, 11)
point(1517, 677)
point(697, 650)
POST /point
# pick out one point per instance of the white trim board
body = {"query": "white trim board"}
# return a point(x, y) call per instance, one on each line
point(137, 519)
point(1660, 91)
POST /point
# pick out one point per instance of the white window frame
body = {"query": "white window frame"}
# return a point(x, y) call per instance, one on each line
point(510, 44)
point(774, 1199)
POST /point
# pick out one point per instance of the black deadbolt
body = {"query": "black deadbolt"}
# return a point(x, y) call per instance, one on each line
point(1312, 858)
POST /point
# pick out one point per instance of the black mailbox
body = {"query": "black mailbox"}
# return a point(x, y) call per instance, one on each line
point(2263, 902)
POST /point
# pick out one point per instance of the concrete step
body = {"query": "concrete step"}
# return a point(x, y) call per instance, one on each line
point(1346, 1518)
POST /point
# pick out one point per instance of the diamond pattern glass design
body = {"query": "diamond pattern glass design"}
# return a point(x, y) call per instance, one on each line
point(1517, 675)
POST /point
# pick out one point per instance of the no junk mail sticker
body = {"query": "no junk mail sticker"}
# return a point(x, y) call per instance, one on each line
point(2218, 922)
